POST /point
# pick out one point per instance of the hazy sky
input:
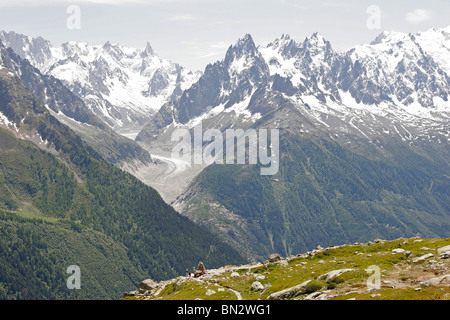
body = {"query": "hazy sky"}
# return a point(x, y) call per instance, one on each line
point(197, 32)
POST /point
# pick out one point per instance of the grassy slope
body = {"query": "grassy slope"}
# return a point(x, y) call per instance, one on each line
point(400, 276)
point(74, 188)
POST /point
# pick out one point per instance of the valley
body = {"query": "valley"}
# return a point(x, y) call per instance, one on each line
point(88, 176)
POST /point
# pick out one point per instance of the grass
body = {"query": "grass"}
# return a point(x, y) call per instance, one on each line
point(396, 268)
point(28, 211)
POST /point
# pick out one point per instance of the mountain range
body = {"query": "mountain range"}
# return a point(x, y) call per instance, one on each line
point(364, 143)
point(62, 203)
point(364, 138)
point(123, 86)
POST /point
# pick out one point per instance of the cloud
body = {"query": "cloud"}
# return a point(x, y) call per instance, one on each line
point(203, 49)
point(294, 5)
point(418, 16)
point(181, 17)
point(335, 4)
point(37, 3)
point(219, 45)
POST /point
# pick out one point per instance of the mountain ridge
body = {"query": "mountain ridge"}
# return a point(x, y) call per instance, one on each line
point(52, 180)
point(121, 85)
point(68, 108)
point(342, 117)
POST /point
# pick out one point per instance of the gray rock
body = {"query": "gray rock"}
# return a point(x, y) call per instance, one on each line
point(330, 275)
point(210, 292)
point(313, 296)
point(436, 281)
point(288, 293)
point(274, 257)
point(283, 263)
point(443, 249)
point(148, 284)
point(320, 295)
point(257, 286)
point(201, 266)
point(234, 275)
point(422, 258)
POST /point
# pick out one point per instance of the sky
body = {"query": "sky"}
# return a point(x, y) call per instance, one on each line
point(194, 33)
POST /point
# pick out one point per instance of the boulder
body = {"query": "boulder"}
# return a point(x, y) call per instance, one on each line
point(274, 257)
point(198, 273)
point(210, 292)
point(335, 273)
point(313, 296)
point(443, 249)
point(257, 286)
point(201, 266)
point(436, 281)
point(234, 275)
point(288, 293)
point(148, 284)
point(422, 258)
point(283, 263)
point(398, 250)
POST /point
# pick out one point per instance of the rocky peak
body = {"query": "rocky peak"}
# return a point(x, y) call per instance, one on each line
point(244, 47)
point(316, 45)
point(390, 37)
point(316, 39)
point(36, 50)
point(148, 51)
point(244, 59)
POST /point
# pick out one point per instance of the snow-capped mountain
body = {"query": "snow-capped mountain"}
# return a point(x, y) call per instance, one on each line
point(395, 86)
point(121, 85)
point(353, 127)
point(70, 110)
point(225, 88)
point(436, 43)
